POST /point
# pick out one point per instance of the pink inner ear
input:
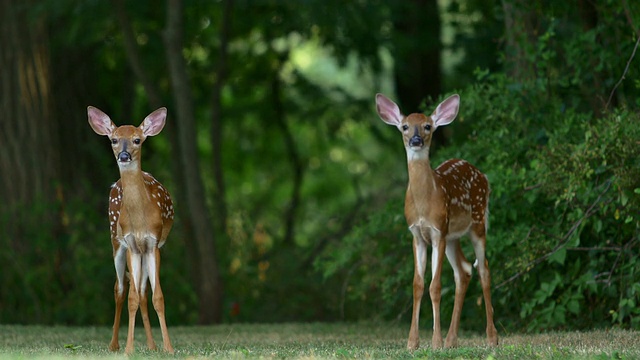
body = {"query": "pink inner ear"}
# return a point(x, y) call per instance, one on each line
point(99, 121)
point(447, 111)
point(388, 111)
point(154, 122)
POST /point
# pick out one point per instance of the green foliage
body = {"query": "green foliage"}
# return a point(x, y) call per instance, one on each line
point(594, 181)
point(565, 204)
point(369, 260)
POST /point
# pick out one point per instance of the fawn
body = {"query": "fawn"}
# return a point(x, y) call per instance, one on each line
point(441, 206)
point(140, 216)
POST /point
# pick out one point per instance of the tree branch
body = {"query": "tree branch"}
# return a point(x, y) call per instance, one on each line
point(297, 166)
point(626, 69)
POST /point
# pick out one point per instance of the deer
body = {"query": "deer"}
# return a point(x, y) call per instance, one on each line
point(140, 217)
point(441, 206)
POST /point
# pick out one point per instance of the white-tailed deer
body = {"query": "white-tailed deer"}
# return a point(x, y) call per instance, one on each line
point(442, 205)
point(140, 217)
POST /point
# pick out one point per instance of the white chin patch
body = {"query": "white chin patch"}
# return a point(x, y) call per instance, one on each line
point(125, 165)
point(417, 153)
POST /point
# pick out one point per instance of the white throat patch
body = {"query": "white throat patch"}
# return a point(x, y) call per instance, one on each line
point(417, 154)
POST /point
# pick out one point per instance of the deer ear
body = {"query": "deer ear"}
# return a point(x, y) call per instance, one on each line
point(154, 122)
point(99, 121)
point(388, 111)
point(447, 111)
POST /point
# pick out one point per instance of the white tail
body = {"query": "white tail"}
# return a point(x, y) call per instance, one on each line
point(140, 217)
point(442, 205)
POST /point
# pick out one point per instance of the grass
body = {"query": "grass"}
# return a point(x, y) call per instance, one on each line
point(310, 341)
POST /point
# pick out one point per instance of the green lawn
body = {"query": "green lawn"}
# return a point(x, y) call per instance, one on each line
point(310, 341)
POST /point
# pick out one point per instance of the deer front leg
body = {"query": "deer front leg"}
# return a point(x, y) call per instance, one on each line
point(153, 266)
point(120, 262)
point(134, 262)
point(420, 264)
point(462, 275)
point(437, 257)
point(118, 295)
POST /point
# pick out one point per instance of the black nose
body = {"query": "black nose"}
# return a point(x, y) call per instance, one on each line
point(124, 157)
point(416, 141)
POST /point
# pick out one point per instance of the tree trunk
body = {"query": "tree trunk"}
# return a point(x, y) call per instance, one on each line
point(518, 36)
point(210, 288)
point(156, 100)
point(28, 158)
point(216, 120)
point(417, 47)
point(28, 146)
point(417, 69)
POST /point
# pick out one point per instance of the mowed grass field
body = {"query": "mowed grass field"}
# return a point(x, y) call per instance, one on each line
point(310, 341)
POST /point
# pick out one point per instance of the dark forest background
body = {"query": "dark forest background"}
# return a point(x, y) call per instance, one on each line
point(288, 189)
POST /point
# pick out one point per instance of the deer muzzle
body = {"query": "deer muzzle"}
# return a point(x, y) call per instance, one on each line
point(124, 156)
point(416, 139)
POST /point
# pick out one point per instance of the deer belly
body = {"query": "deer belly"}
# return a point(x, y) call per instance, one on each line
point(458, 227)
point(139, 243)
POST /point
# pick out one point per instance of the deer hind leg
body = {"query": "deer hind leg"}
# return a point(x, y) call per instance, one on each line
point(153, 267)
point(462, 275)
point(144, 306)
point(435, 289)
point(120, 262)
point(478, 238)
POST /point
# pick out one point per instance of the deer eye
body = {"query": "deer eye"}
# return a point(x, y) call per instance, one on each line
point(136, 141)
point(427, 127)
point(405, 127)
point(114, 141)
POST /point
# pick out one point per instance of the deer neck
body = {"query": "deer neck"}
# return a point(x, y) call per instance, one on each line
point(421, 176)
point(422, 193)
point(135, 198)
